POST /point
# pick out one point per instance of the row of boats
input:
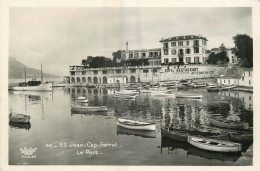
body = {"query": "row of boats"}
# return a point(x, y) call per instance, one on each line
point(206, 139)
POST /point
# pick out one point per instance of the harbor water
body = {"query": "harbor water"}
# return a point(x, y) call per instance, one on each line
point(58, 136)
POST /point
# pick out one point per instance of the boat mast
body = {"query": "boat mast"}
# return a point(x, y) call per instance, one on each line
point(41, 73)
point(25, 74)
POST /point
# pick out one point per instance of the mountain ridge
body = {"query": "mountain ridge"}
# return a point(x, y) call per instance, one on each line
point(16, 71)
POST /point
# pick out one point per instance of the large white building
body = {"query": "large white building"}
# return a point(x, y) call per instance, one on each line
point(187, 49)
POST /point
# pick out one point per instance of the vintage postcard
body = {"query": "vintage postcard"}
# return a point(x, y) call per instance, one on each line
point(120, 85)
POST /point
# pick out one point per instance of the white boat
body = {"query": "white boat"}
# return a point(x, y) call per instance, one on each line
point(33, 85)
point(89, 108)
point(214, 145)
point(196, 85)
point(213, 85)
point(162, 93)
point(83, 101)
point(20, 118)
point(81, 98)
point(136, 125)
point(127, 92)
point(190, 96)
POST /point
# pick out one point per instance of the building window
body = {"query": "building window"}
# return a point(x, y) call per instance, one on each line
point(188, 60)
point(72, 73)
point(228, 81)
point(249, 97)
point(165, 45)
point(196, 50)
point(196, 43)
point(187, 43)
point(173, 52)
point(242, 78)
point(104, 72)
point(187, 51)
point(174, 60)
point(83, 72)
point(180, 43)
point(154, 70)
point(150, 54)
point(224, 81)
point(118, 71)
point(143, 54)
point(196, 59)
point(95, 72)
point(132, 70)
point(156, 53)
point(136, 55)
point(145, 71)
point(165, 51)
point(173, 43)
point(249, 82)
point(130, 55)
point(123, 55)
point(166, 60)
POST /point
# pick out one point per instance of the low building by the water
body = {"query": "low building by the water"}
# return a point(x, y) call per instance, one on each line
point(245, 80)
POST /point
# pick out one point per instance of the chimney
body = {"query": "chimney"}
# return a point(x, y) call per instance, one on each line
point(126, 45)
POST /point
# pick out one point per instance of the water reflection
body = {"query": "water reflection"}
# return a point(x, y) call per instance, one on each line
point(52, 112)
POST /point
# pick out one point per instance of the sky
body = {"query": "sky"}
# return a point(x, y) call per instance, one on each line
point(63, 36)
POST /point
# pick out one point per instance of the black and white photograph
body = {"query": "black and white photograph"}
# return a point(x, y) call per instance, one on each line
point(130, 86)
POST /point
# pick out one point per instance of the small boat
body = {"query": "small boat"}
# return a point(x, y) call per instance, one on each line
point(190, 96)
point(213, 85)
point(20, 118)
point(162, 93)
point(240, 136)
point(19, 125)
point(81, 98)
point(125, 96)
point(197, 85)
point(228, 87)
point(214, 145)
point(89, 108)
point(174, 135)
point(224, 123)
point(136, 125)
point(213, 89)
point(141, 133)
point(83, 101)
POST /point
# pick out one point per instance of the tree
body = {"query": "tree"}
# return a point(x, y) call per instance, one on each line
point(87, 61)
point(244, 49)
point(219, 58)
point(100, 61)
point(116, 55)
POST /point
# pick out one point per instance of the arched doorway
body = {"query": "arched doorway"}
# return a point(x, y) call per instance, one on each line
point(89, 80)
point(104, 80)
point(83, 79)
point(73, 80)
point(95, 80)
point(78, 80)
point(132, 79)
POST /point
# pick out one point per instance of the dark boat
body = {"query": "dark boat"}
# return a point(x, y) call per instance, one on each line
point(214, 89)
point(241, 136)
point(224, 123)
point(174, 135)
point(18, 125)
point(20, 118)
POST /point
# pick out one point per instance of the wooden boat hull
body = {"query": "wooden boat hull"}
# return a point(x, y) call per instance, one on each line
point(190, 96)
point(136, 125)
point(19, 125)
point(41, 87)
point(19, 118)
point(214, 145)
point(89, 109)
point(142, 133)
point(229, 125)
point(174, 135)
point(241, 137)
point(214, 89)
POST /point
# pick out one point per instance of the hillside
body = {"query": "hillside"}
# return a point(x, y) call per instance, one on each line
point(16, 71)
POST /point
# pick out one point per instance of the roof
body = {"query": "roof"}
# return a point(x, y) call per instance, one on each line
point(142, 50)
point(187, 37)
point(230, 77)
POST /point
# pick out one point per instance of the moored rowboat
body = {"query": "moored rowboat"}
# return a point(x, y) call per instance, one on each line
point(89, 108)
point(174, 135)
point(20, 118)
point(214, 145)
point(131, 124)
point(190, 96)
point(81, 98)
point(240, 137)
point(224, 123)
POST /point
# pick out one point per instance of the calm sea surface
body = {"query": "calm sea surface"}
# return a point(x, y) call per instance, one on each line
point(63, 137)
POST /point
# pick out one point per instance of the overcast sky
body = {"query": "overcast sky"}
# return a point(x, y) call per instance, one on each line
point(60, 37)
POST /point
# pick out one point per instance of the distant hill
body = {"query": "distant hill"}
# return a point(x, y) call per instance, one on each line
point(16, 71)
